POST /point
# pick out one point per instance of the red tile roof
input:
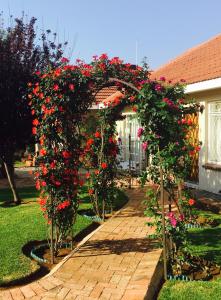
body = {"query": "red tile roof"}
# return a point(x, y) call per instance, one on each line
point(200, 63)
point(104, 93)
point(114, 98)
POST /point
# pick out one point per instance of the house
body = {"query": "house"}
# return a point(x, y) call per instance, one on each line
point(201, 69)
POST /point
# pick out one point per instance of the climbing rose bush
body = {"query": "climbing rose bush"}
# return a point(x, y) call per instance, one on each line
point(59, 99)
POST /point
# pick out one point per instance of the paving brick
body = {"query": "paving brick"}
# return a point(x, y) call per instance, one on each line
point(97, 291)
point(17, 294)
point(6, 295)
point(27, 291)
point(37, 288)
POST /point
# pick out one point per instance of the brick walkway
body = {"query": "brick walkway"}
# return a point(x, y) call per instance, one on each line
point(116, 262)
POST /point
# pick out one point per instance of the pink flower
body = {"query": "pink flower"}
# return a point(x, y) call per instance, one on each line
point(64, 60)
point(173, 222)
point(158, 87)
point(140, 132)
point(170, 215)
point(103, 56)
point(182, 217)
point(144, 146)
point(162, 78)
point(71, 86)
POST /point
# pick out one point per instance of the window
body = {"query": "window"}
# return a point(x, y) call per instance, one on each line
point(214, 132)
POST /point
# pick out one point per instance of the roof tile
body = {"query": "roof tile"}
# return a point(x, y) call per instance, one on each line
point(200, 63)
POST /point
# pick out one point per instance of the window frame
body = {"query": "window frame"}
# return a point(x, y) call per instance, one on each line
point(208, 131)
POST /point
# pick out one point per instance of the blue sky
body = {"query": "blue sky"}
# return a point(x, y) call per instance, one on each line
point(162, 29)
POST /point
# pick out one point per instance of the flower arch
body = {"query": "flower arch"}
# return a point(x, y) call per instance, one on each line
point(60, 99)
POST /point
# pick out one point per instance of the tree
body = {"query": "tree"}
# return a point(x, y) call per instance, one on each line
point(21, 55)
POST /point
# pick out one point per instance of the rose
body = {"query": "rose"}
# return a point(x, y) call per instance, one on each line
point(71, 86)
point(104, 165)
point(144, 146)
point(191, 202)
point(90, 191)
point(140, 132)
point(66, 154)
point(43, 152)
point(97, 134)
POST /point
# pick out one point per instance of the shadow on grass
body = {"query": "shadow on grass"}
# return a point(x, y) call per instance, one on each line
point(6, 196)
point(44, 268)
point(207, 242)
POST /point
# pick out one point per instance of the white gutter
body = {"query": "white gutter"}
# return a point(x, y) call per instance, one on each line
point(203, 86)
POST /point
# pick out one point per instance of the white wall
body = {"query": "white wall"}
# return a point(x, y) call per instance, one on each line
point(209, 180)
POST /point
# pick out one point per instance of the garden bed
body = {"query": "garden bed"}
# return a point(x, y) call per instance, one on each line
point(205, 243)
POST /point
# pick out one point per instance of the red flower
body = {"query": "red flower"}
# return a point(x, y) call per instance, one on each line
point(90, 191)
point(97, 134)
point(191, 202)
point(134, 109)
point(35, 122)
point(33, 112)
point(56, 87)
point(96, 172)
point(41, 95)
point(63, 205)
point(48, 100)
point(35, 90)
point(60, 108)
point(66, 154)
point(52, 165)
point(132, 98)
point(197, 148)
point(86, 73)
point(44, 170)
point(104, 165)
point(189, 122)
point(71, 86)
point(64, 60)
point(42, 201)
point(34, 130)
point(43, 152)
point(43, 183)
point(37, 185)
point(88, 175)
point(103, 56)
point(90, 142)
point(57, 183)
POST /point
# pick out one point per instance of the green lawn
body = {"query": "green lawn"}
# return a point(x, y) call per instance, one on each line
point(21, 224)
point(205, 242)
point(19, 164)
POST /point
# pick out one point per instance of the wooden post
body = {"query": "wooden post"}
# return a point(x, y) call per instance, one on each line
point(52, 241)
point(103, 210)
point(129, 140)
point(163, 221)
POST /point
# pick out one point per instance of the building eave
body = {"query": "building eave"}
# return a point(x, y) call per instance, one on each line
point(203, 86)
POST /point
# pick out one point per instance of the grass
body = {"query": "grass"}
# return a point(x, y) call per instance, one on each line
point(205, 242)
point(195, 290)
point(24, 223)
point(19, 164)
